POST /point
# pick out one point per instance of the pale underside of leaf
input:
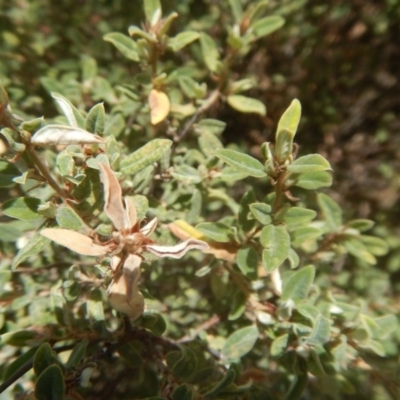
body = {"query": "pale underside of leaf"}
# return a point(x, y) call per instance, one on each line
point(113, 205)
point(178, 250)
point(159, 106)
point(75, 241)
point(149, 228)
point(123, 292)
point(130, 212)
point(64, 135)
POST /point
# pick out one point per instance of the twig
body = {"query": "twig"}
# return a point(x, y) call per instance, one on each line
point(205, 106)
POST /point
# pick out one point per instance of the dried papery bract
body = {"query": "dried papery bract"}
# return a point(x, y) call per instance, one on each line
point(126, 246)
point(123, 292)
point(75, 241)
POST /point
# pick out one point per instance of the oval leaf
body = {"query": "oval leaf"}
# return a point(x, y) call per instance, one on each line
point(246, 104)
point(241, 162)
point(67, 218)
point(276, 241)
point(145, 156)
point(309, 163)
point(299, 284)
point(182, 39)
point(124, 44)
point(265, 26)
point(215, 231)
point(74, 117)
point(314, 180)
point(159, 106)
point(240, 343)
point(34, 246)
point(25, 208)
point(50, 384)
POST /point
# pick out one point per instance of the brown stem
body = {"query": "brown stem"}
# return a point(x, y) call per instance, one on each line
point(45, 172)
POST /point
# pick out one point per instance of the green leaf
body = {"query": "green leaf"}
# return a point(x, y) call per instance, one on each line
point(152, 10)
point(303, 234)
point(237, 306)
point(19, 338)
point(89, 68)
point(216, 231)
point(8, 172)
point(246, 104)
point(95, 119)
point(361, 225)
point(309, 311)
point(182, 392)
point(314, 180)
point(243, 216)
point(247, 261)
point(276, 241)
point(213, 126)
point(223, 384)
point(237, 10)
point(50, 385)
point(154, 322)
point(184, 363)
point(25, 208)
point(240, 343)
point(124, 44)
point(67, 218)
point(136, 31)
point(187, 174)
point(242, 162)
point(191, 88)
point(44, 357)
point(279, 345)
point(73, 115)
point(210, 52)
point(209, 143)
point(299, 283)
point(265, 26)
point(375, 245)
point(286, 130)
point(331, 211)
point(182, 39)
point(356, 248)
point(298, 215)
point(321, 332)
point(387, 324)
point(19, 362)
point(262, 212)
point(145, 156)
point(34, 246)
point(77, 354)
point(293, 259)
point(299, 384)
point(130, 354)
point(309, 163)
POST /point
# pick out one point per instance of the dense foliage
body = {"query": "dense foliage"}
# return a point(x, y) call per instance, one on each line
point(162, 236)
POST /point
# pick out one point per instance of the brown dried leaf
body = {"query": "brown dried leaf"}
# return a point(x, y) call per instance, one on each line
point(177, 251)
point(123, 292)
point(159, 106)
point(113, 205)
point(75, 241)
point(148, 229)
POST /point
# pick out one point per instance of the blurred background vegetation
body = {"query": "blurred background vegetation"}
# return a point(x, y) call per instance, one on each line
point(340, 58)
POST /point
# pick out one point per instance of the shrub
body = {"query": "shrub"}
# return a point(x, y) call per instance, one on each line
point(143, 258)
